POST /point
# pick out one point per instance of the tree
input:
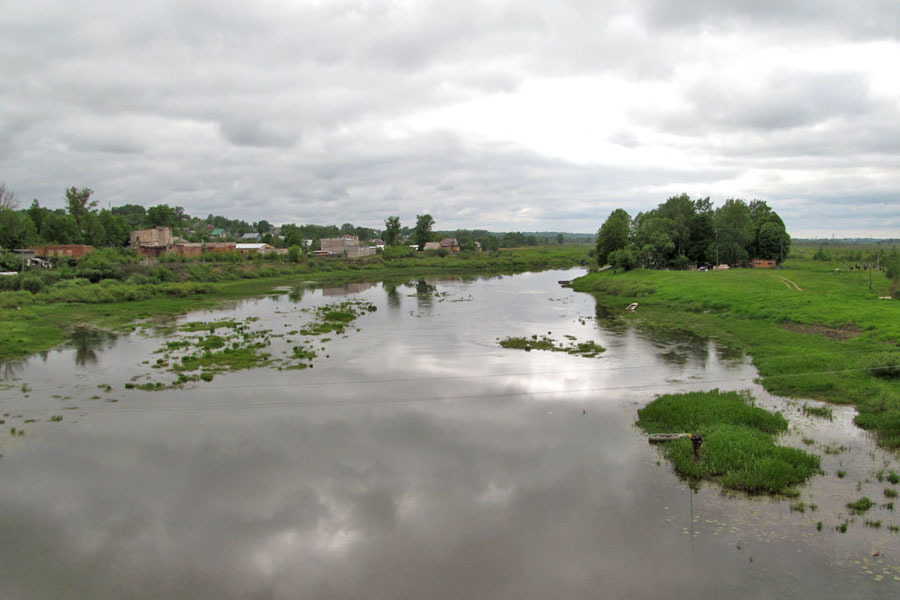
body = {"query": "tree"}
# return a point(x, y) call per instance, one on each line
point(347, 229)
point(770, 237)
point(891, 263)
point(37, 213)
point(79, 203)
point(560, 238)
point(292, 235)
point(680, 211)
point(614, 234)
point(162, 215)
point(93, 231)
point(734, 231)
point(702, 238)
point(59, 228)
point(17, 230)
point(422, 233)
point(8, 200)
point(654, 243)
point(623, 258)
point(132, 213)
point(116, 227)
point(391, 231)
point(772, 242)
point(263, 227)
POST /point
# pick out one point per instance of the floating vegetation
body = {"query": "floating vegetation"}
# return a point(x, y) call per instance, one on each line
point(209, 326)
point(56, 418)
point(834, 449)
point(738, 449)
point(841, 473)
point(336, 317)
point(890, 493)
point(207, 348)
point(587, 349)
point(808, 441)
point(860, 506)
point(842, 527)
point(873, 524)
point(823, 412)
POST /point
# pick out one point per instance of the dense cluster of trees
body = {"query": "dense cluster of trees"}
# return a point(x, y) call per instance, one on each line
point(682, 231)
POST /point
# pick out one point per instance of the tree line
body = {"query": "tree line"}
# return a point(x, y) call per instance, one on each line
point(682, 232)
point(81, 221)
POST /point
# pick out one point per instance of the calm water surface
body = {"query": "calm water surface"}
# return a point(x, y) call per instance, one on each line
point(417, 460)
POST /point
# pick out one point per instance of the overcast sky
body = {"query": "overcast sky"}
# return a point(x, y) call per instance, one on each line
point(506, 115)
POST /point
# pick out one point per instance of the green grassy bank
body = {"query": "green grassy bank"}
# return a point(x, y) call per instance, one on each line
point(812, 331)
point(38, 319)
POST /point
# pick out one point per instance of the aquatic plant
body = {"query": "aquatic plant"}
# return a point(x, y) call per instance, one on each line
point(588, 349)
point(860, 506)
point(824, 412)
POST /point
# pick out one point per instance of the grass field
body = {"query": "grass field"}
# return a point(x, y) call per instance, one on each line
point(812, 331)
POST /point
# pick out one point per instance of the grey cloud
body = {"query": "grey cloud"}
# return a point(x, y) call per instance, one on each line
point(282, 110)
point(783, 100)
point(863, 18)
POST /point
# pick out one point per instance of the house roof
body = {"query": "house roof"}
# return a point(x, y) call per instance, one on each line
point(449, 242)
point(251, 236)
point(259, 246)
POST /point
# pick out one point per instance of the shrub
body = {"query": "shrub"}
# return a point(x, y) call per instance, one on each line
point(394, 252)
point(32, 283)
point(295, 254)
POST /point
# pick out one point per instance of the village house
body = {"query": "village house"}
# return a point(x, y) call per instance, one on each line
point(221, 247)
point(154, 237)
point(347, 246)
point(62, 250)
point(763, 263)
point(451, 245)
point(251, 237)
point(151, 243)
point(256, 248)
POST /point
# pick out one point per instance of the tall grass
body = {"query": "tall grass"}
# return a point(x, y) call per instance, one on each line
point(738, 450)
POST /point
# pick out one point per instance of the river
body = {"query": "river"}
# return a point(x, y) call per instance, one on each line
point(416, 459)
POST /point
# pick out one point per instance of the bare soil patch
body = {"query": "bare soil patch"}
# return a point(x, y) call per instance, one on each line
point(844, 332)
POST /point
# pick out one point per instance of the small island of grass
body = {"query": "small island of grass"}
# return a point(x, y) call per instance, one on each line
point(587, 349)
point(739, 449)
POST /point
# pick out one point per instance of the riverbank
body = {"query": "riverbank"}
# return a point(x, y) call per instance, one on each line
point(32, 322)
point(812, 331)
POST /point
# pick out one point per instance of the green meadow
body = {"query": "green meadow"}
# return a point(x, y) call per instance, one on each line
point(814, 329)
